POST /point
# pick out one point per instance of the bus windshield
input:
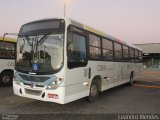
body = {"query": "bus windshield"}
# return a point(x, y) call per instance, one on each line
point(46, 51)
point(40, 47)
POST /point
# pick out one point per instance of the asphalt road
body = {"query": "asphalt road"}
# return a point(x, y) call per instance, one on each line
point(120, 100)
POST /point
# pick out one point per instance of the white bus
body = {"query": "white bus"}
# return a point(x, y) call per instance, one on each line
point(61, 60)
point(7, 60)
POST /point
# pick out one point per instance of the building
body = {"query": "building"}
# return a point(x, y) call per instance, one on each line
point(151, 54)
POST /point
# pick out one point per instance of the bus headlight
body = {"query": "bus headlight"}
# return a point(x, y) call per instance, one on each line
point(55, 84)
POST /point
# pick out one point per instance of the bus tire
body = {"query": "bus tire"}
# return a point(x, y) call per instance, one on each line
point(6, 79)
point(131, 79)
point(94, 92)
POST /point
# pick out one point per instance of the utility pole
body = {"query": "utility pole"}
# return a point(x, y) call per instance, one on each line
point(65, 5)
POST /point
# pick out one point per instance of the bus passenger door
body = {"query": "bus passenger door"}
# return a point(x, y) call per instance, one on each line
point(76, 64)
point(77, 55)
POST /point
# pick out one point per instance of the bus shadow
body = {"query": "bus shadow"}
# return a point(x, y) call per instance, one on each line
point(1, 85)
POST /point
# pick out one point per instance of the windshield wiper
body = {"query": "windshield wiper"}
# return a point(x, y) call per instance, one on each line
point(28, 40)
point(43, 39)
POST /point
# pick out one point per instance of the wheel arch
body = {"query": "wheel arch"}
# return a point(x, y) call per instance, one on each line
point(7, 71)
point(97, 79)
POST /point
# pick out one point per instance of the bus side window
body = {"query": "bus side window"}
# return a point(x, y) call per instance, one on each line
point(77, 51)
point(140, 56)
point(94, 47)
point(118, 51)
point(107, 49)
point(131, 53)
point(7, 50)
point(125, 53)
point(136, 56)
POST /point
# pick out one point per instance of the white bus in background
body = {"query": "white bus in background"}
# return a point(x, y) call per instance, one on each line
point(61, 60)
point(7, 60)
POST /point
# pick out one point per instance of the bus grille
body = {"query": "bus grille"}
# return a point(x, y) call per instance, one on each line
point(33, 92)
point(34, 78)
point(29, 84)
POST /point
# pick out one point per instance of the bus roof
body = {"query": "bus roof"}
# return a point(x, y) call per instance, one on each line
point(8, 39)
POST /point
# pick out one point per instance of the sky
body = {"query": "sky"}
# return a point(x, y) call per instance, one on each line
point(132, 21)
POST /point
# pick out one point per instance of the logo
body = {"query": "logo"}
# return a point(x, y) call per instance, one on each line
point(35, 67)
point(101, 68)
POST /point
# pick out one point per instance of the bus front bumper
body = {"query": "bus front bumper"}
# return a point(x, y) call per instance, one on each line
point(56, 95)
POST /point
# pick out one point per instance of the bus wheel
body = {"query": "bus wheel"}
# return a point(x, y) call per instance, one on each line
point(94, 92)
point(131, 79)
point(6, 79)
